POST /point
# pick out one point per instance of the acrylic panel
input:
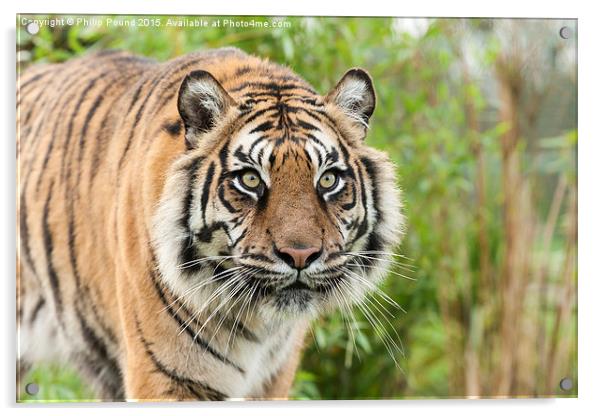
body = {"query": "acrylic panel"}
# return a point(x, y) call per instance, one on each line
point(226, 208)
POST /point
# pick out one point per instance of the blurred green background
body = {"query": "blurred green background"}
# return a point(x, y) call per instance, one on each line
point(480, 116)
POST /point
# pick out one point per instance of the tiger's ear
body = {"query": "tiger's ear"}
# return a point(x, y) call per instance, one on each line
point(354, 94)
point(202, 101)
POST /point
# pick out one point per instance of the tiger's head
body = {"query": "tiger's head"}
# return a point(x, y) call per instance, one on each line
point(278, 205)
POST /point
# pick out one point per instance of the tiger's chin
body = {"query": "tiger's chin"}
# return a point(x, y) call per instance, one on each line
point(299, 301)
point(296, 301)
point(295, 304)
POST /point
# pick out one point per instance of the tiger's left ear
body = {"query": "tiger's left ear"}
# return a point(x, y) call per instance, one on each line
point(202, 102)
point(354, 94)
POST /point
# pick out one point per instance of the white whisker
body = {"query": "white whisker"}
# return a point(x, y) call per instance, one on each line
point(379, 259)
point(205, 259)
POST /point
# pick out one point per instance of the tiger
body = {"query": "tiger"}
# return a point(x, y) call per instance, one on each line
point(182, 223)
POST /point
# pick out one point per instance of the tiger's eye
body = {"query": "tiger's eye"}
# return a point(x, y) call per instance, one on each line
point(328, 180)
point(251, 179)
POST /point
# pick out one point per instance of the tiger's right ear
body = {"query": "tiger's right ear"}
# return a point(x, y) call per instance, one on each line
point(202, 101)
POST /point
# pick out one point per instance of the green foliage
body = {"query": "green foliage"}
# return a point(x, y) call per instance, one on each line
point(56, 383)
point(426, 76)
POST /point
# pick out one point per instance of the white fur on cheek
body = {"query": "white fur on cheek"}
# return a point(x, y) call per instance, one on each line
point(168, 235)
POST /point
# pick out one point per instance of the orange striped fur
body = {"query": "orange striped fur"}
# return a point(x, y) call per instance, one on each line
point(163, 255)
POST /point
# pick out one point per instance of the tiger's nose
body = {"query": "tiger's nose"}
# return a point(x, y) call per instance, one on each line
point(298, 258)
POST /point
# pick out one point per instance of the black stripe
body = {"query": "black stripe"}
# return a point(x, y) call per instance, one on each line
point(183, 324)
point(309, 159)
point(99, 320)
point(188, 251)
point(305, 111)
point(103, 361)
point(375, 241)
point(281, 96)
point(41, 122)
point(332, 156)
point(24, 231)
point(206, 187)
point(173, 128)
point(188, 256)
point(136, 95)
point(270, 86)
point(34, 79)
point(260, 156)
point(254, 115)
point(91, 112)
point(71, 243)
point(363, 226)
point(48, 247)
point(247, 104)
point(35, 102)
point(142, 83)
point(223, 160)
point(353, 202)
point(317, 141)
point(224, 201)
point(241, 156)
point(345, 151)
point(205, 234)
point(283, 118)
point(373, 175)
point(307, 126)
point(242, 70)
point(192, 172)
point(164, 100)
point(200, 390)
point(239, 239)
point(34, 313)
point(266, 125)
point(329, 120)
point(256, 143)
point(259, 257)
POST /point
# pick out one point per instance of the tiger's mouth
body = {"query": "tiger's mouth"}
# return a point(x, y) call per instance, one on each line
point(296, 292)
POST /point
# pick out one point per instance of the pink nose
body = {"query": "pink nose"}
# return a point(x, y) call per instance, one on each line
point(298, 257)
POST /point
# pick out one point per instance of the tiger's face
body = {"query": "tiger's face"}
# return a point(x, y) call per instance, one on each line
point(286, 212)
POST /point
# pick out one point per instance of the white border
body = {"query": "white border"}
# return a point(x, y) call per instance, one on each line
point(590, 207)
